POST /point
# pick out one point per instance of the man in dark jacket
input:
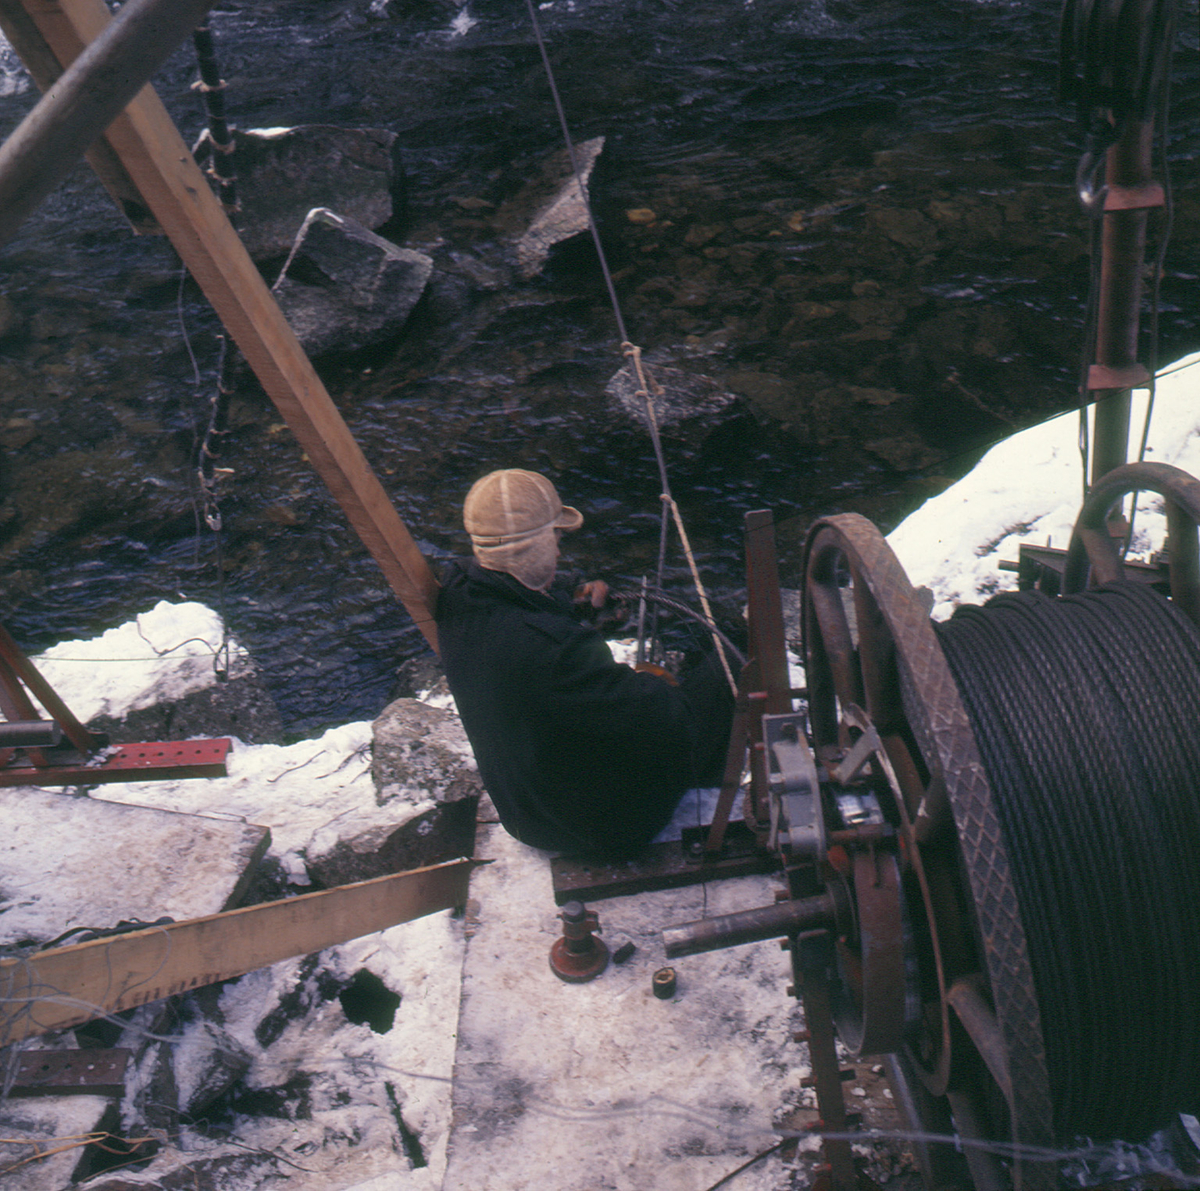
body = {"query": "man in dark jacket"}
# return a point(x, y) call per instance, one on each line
point(579, 753)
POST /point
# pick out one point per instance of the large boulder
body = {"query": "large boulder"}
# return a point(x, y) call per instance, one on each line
point(423, 767)
point(283, 173)
point(421, 752)
point(550, 208)
point(688, 406)
point(344, 288)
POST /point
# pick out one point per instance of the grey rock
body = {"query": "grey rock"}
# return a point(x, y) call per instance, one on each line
point(444, 832)
point(687, 405)
point(284, 173)
point(344, 288)
point(240, 706)
point(550, 208)
point(421, 753)
point(215, 1062)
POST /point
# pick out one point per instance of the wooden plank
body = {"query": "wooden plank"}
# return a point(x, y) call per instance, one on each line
point(174, 189)
point(66, 986)
point(90, 93)
point(43, 66)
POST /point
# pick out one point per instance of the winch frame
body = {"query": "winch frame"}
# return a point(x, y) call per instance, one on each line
point(893, 951)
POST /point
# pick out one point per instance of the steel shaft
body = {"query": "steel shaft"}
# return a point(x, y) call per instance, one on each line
point(749, 926)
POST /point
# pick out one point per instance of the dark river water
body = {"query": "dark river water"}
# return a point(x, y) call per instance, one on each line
point(863, 226)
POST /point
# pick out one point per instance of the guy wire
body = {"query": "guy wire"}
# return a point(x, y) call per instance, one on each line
point(629, 349)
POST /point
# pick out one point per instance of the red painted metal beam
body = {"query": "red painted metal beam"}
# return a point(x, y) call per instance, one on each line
point(153, 761)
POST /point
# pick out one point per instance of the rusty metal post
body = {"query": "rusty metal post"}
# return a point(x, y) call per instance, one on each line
point(1130, 195)
point(768, 648)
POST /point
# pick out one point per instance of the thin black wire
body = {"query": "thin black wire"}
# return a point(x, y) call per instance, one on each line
point(745, 1166)
point(660, 598)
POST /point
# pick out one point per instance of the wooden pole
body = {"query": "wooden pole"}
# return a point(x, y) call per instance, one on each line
point(177, 193)
point(66, 986)
point(45, 146)
point(25, 37)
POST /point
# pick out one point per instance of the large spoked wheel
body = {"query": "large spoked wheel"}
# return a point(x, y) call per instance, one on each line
point(883, 704)
point(1093, 558)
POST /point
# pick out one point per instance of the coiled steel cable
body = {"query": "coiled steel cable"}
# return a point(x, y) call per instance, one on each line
point(1087, 714)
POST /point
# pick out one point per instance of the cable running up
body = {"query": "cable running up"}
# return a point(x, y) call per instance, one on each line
point(645, 386)
point(1086, 710)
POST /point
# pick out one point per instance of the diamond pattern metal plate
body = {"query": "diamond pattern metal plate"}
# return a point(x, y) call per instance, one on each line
point(946, 740)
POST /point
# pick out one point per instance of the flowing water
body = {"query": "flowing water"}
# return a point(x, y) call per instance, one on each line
point(862, 224)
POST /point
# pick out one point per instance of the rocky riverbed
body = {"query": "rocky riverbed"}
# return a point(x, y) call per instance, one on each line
point(858, 221)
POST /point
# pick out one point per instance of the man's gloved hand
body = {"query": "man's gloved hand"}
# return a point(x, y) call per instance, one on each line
point(592, 600)
point(594, 592)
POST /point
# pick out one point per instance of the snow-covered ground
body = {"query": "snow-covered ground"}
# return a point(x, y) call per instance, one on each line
point(363, 1090)
point(1028, 488)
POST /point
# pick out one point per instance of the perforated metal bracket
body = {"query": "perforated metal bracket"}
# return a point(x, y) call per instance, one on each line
point(797, 820)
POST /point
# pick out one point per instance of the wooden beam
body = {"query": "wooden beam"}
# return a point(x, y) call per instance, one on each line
point(66, 986)
point(45, 146)
point(177, 193)
point(44, 68)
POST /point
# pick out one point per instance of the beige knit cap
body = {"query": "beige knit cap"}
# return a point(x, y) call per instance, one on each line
point(511, 516)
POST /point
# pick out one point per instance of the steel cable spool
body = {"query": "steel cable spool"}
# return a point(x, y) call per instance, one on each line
point(1085, 709)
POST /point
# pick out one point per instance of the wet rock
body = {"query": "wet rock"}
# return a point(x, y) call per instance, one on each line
point(17, 432)
point(345, 288)
point(687, 405)
point(908, 228)
point(283, 173)
point(444, 832)
point(9, 320)
point(904, 452)
point(422, 753)
point(240, 706)
point(769, 393)
point(550, 208)
point(422, 766)
point(68, 494)
point(489, 276)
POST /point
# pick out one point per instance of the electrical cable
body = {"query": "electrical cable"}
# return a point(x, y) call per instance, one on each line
point(1085, 711)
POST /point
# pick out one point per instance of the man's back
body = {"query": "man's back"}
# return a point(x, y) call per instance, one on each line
point(578, 752)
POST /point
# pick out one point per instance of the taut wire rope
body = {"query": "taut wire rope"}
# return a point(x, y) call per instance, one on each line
point(645, 385)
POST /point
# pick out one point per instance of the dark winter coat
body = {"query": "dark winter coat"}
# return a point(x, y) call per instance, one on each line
point(578, 752)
